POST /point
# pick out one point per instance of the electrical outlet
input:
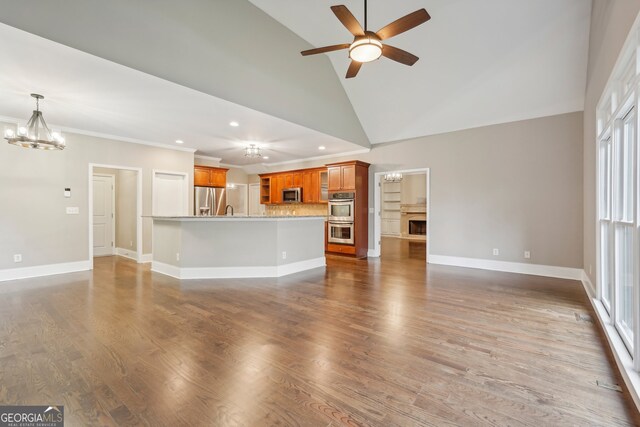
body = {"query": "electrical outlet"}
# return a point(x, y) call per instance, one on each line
point(496, 251)
point(178, 256)
point(131, 243)
point(17, 258)
point(284, 255)
point(590, 267)
point(527, 254)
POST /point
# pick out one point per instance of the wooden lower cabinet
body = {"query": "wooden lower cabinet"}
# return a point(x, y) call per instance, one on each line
point(341, 249)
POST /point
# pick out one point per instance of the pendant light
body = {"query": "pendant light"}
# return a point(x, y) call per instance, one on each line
point(36, 133)
point(252, 151)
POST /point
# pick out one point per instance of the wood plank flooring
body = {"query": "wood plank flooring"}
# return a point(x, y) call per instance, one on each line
point(383, 342)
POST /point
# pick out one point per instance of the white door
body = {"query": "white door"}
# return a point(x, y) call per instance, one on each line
point(103, 215)
point(255, 207)
point(170, 194)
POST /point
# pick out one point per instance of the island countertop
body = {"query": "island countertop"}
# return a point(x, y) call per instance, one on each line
point(238, 217)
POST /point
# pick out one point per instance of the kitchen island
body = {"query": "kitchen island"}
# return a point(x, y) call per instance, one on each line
point(237, 246)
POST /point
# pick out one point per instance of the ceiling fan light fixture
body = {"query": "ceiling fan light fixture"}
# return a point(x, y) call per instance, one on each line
point(365, 49)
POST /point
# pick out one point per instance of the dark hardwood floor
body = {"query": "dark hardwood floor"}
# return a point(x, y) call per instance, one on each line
point(385, 342)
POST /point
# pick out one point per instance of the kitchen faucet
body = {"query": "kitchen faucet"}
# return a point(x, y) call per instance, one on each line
point(226, 209)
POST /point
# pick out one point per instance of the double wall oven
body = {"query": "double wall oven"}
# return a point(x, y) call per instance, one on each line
point(341, 218)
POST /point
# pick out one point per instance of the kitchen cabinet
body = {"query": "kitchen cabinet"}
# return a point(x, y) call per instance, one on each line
point(310, 186)
point(312, 181)
point(206, 176)
point(353, 177)
point(342, 177)
point(277, 184)
point(265, 190)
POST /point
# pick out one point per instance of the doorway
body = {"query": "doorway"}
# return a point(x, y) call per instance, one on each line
point(115, 211)
point(401, 226)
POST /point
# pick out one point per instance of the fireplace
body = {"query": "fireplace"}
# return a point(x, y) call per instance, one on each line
point(418, 227)
point(413, 221)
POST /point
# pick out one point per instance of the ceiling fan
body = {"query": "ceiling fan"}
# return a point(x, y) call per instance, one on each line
point(367, 46)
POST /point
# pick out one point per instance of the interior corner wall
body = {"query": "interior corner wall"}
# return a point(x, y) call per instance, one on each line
point(33, 219)
point(514, 186)
point(611, 21)
point(126, 208)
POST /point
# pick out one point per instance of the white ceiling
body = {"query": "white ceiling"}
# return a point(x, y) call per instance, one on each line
point(87, 93)
point(481, 62)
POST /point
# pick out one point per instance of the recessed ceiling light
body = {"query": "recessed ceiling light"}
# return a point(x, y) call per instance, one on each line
point(322, 147)
point(234, 124)
point(265, 157)
point(179, 141)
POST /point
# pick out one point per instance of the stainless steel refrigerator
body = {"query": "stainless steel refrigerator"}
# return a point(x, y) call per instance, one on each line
point(209, 201)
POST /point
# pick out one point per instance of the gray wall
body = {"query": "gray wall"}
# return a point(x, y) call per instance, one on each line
point(33, 221)
point(514, 186)
point(611, 21)
point(227, 48)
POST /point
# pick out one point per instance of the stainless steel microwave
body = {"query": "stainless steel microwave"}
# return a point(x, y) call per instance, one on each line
point(292, 195)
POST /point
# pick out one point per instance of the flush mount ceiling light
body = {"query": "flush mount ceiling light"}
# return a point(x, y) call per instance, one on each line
point(367, 46)
point(393, 177)
point(179, 141)
point(234, 124)
point(36, 133)
point(252, 151)
point(322, 147)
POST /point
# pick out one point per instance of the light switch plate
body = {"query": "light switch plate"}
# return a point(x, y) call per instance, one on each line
point(73, 210)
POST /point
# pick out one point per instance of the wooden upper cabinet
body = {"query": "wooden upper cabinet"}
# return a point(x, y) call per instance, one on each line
point(335, 178)
point(348, 177)
point(342, 177)
point(313, 183)
point(205, 176)
point(297, 179)
point(201, 176)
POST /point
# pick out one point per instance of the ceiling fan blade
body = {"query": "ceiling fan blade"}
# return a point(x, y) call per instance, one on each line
point(403, 24)
point(325, 49)
point(399, 55)
point(348, 20)
point(354, 67)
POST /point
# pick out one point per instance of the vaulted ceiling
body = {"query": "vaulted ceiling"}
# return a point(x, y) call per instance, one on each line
point(196, 64)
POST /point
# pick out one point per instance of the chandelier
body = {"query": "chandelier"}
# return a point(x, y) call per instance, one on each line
point(393, 177)
point(36, 133)
point(252, 151)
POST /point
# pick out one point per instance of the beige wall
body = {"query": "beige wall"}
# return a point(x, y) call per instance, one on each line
point(514, 186)
point(413, 188)
point(611, 21)
point(33, 221)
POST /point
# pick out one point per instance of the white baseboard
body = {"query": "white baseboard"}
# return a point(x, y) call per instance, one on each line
point(43, 270)
point(127, 253)
point(236, 272)
point(146, 258)
point(588, 286)
point(373, 253)
point(510, 267)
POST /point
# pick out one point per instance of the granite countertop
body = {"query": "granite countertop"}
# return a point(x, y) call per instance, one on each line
point(237, 217)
